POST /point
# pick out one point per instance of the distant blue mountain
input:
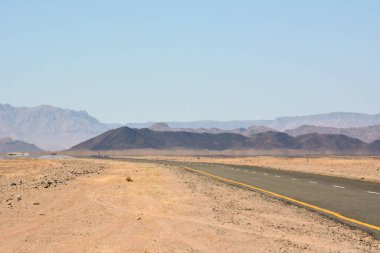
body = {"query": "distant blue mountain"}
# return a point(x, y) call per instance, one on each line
point(53, 128)
point(335, 119)
point(7, 145)
point(48, 127)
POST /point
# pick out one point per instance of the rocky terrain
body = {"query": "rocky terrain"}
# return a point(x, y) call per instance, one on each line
point(43, 174)
point(116, 206)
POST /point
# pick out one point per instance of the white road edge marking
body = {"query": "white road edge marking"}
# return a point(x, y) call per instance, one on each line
point(277, 176)
point(253, 172)
point(373, 192)
point(313, 182)
point(295, 179)
point(337, 186)
point(265, 174)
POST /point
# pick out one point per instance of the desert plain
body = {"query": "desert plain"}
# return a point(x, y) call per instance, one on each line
point(366, 168)
point(94, 205)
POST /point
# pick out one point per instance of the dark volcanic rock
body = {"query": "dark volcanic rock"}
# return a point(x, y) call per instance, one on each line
point(339, 142)
point(272, 140)
point(375, 147)
point(367, 134)
point(127, 138)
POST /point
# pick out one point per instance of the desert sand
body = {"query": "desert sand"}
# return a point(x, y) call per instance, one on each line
point(83, 205)
point(354, 167)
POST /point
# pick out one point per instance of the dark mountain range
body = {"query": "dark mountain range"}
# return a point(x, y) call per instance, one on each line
point(375, 145)
point(337, 142)
point(127, 138)
point(366, 134)
point(7, 145)
point(52, 128)
point(271, 140)
point(48, 127)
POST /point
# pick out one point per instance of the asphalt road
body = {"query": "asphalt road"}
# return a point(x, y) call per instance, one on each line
point(354, 199)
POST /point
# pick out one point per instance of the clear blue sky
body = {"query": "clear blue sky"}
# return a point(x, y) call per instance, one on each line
point(133, 61)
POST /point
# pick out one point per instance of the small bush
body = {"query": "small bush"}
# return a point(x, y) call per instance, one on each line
point(129, 179)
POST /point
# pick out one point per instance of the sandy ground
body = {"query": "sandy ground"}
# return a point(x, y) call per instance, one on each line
point(354, 167)
point(89, 206)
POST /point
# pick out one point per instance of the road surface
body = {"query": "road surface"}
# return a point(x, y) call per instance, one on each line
point(353, 202)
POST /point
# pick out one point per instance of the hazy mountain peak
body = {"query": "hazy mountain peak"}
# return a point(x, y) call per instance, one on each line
point(49, 127)
point(5, 140)
point(8, 145)
point(334, 119)
point(160, 126)
point(54, 128)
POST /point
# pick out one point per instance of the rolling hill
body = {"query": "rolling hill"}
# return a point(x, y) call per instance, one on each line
point(128, 138)
point(53, 128)
point(125, 138)
point(367, 134)
point(8, 145)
